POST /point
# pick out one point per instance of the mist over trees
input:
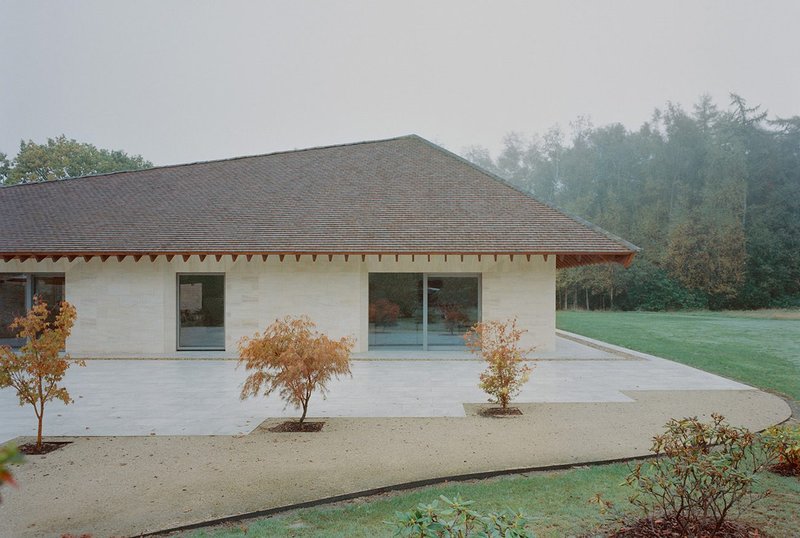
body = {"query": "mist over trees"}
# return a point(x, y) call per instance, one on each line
point(711, 195)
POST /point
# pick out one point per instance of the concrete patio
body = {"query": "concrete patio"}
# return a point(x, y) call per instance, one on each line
point(200, 397)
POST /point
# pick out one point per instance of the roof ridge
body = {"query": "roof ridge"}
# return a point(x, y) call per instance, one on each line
point(510, 185)
point(210, 161)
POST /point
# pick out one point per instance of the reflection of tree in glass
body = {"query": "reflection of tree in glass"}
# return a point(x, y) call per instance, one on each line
point(454, 318)
point(383, 312)
point(402, 289)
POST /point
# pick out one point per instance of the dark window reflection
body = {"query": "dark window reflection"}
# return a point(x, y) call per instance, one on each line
point(201, 304)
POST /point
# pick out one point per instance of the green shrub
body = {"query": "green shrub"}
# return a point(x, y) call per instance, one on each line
point(8, 455)
point(455, 519)
point(783, 443)
point(700, 474)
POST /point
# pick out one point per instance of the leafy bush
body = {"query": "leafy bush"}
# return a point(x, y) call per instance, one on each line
point(456, 519)
point(8, 455)
point(701, 472)
point(36, 371)
point(294, 359)
point(498, 343)
point(783, 442)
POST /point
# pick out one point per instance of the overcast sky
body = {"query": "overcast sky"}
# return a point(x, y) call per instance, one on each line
point(186, 81)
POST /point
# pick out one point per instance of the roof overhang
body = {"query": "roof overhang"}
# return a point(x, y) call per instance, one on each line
point(564, 260)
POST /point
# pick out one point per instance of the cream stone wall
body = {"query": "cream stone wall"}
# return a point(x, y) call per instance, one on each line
point(128, 308)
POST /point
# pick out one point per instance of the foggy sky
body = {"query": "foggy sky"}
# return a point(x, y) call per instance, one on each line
point(186, 81)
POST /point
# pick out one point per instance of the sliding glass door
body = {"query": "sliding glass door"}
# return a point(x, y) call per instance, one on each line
point(418, 310)
point(395, 309)
point(453, 308)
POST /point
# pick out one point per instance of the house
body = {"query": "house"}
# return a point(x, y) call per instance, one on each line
point(396, 242)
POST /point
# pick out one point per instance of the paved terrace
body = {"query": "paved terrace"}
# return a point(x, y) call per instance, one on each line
point(200, 397)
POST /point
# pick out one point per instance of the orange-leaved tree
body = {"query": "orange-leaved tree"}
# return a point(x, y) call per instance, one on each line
point(291, 357)
point(37, 370)
point(498, 343)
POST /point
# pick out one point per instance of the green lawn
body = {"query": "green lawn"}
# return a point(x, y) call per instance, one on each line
point(556, 501)
point(760, 349)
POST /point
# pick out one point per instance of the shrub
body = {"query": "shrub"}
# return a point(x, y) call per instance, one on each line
point(36, 371)
point(783, 443)
point(455, 519)
point(498, 343)
point(8, 455)
point(294, 359)
point(701, 472)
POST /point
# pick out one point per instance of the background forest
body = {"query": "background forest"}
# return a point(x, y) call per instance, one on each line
point(711, 196)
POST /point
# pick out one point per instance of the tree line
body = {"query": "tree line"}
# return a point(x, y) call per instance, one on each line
point(711, 195)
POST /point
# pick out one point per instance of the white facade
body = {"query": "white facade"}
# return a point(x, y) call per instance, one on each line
point(129, 309)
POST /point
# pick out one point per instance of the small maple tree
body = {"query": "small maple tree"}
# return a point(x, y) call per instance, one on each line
point(291, 357)
point(37, 370)
point(498, 343)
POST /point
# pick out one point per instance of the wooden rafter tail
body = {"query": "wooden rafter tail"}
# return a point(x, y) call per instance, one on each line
point(628, 260)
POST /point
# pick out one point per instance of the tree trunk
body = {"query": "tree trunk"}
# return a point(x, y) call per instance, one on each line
point(587, 298)
point(305, 410)
point(39, 432)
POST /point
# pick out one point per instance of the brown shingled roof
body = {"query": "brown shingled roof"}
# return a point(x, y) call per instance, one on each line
point(398, 196)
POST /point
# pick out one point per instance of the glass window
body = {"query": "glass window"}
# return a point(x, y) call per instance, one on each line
point(201, 312)
point(395, 309)
point(452, 309)
point(50, 289)
point(401, 314)
point(16, 297)
point(13, 304)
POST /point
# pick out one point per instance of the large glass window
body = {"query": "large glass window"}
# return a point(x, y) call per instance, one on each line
point(201, 311)
point(452, 309)
point(16, 297)
point(420, 310)
point(395, 309)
